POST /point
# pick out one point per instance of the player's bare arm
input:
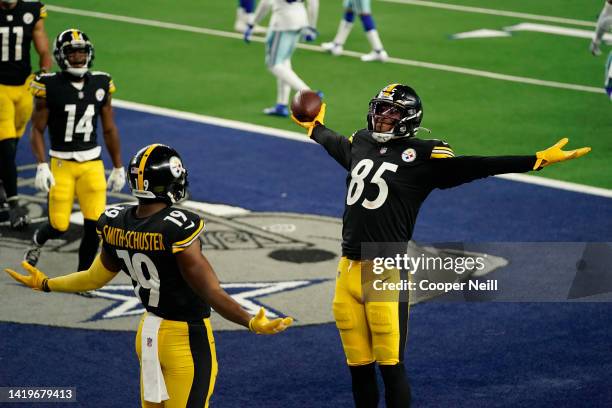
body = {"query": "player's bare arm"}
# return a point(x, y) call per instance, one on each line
point(201, 277)
point(40, 116)
point(111, 134)
point(41, 43)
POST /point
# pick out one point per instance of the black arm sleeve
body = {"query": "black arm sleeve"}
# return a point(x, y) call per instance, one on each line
point(451, 172)
point(338, 147)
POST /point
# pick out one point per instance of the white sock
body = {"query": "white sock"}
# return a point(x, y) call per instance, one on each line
point(344, 29)
point(374, 40)
point(284, 72)
point(282, 92)
point(604, 22)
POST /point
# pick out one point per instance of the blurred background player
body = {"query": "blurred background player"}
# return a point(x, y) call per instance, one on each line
point(364, 9)
point(21, 23)
point(69, 103)
point(390, 174)
point(174, 342)
point(604, 24)
point(243, 13)
point(289, 21)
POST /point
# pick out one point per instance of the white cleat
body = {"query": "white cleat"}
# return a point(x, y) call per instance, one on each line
point(380, 55)
point(333, 48)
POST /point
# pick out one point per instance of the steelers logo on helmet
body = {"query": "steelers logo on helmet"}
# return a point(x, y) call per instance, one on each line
point(73, 52)
point(159, 176)
point(396, 111)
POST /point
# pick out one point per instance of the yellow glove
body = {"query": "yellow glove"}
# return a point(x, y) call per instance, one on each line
point(37, 280)
point(554, 154)
point(311, 125)
point(260, 324)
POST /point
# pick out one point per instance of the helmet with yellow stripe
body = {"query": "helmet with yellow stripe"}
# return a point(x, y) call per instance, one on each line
point(67, 45)
point(156, 173)
point(395, 111)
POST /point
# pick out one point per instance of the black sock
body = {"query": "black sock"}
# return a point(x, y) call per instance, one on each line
point(8, 168)
point(45, 233)
point(397, 387)
point(365, 388)
point(89, 245)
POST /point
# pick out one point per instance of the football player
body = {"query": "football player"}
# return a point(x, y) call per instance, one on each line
point(21, 23)
point(390, 174)
point(289, 21)
point(604, 24)
point(364, 9)
point(158, 246)
point(69, 103)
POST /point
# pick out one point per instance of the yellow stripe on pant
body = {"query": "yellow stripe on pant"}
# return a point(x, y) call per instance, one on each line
point(188, 360)
point(372, 328)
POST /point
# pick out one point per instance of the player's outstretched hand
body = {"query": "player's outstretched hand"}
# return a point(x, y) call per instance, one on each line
point(311, 125)
point(309, 34)
point(34, 281)
point(554, 154)
point(247, 33)
point(116, 180)
point(260, 324)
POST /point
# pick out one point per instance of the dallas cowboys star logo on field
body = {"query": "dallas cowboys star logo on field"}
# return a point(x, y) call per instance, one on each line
point(126, 303)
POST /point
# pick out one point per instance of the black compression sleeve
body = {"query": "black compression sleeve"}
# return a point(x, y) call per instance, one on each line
point(452, 172)
point(336, 145)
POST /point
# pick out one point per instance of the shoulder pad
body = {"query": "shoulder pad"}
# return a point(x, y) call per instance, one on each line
point(184, 227)
point(100, 73)
point(110, 214)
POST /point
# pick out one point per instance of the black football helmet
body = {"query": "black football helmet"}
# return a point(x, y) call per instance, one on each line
point(68, 41)
point(156, 173)
point(397, 105)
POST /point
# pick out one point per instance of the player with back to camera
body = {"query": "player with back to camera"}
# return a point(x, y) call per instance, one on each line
point(390, 174)
point(69, 103)
point(289, 21)
point(21, 24)
point(604, 24)
point(158, 246)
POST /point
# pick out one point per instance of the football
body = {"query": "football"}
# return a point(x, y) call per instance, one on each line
point(306, 105)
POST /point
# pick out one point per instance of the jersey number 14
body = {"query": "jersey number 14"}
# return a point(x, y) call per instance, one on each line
point(84, 126)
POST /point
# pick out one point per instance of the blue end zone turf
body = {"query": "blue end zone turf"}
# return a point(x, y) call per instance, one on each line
point(476, 355)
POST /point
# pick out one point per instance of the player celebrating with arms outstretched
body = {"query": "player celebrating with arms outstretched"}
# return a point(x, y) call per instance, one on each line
point(158, 246)
point(391, 173)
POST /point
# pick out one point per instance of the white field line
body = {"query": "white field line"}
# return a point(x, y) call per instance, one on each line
point(494, 12)
point(398, 61)
point(301, 137)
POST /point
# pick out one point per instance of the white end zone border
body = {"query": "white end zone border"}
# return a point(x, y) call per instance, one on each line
point(301, 137)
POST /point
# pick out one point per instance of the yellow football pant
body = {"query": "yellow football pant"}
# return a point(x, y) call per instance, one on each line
point(373, 327)
point(86, 180)
point(15, 109)
point(188, 361)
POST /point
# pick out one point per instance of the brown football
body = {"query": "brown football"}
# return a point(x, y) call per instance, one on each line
point(305, 105)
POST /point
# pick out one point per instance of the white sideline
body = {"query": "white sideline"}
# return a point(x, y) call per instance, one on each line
point(502, 13)
point(301, 137)
point(316, 48)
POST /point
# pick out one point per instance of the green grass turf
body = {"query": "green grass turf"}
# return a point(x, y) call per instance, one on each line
point(227, 78)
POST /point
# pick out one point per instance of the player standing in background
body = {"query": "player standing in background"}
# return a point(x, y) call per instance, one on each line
point(364, 9)
point(69, 102)
point(604, 23)
point(289, 20)
point(21, 23)
point(158, 246)
point(243, 13)
point(390, 174)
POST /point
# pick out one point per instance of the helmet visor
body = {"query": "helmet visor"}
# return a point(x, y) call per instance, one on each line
point(385, 115)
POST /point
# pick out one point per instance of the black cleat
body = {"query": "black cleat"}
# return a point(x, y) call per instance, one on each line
point(32, 254)
point(18, 217)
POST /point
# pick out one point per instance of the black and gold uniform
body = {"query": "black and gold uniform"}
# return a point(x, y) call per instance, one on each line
point(16, 27)
point(145, 248)
point(75, 153)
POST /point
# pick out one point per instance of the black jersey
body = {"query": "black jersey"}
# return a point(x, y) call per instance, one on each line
point(146, 248)
point(16, 27)
point(73, 112)
point(388, 182)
